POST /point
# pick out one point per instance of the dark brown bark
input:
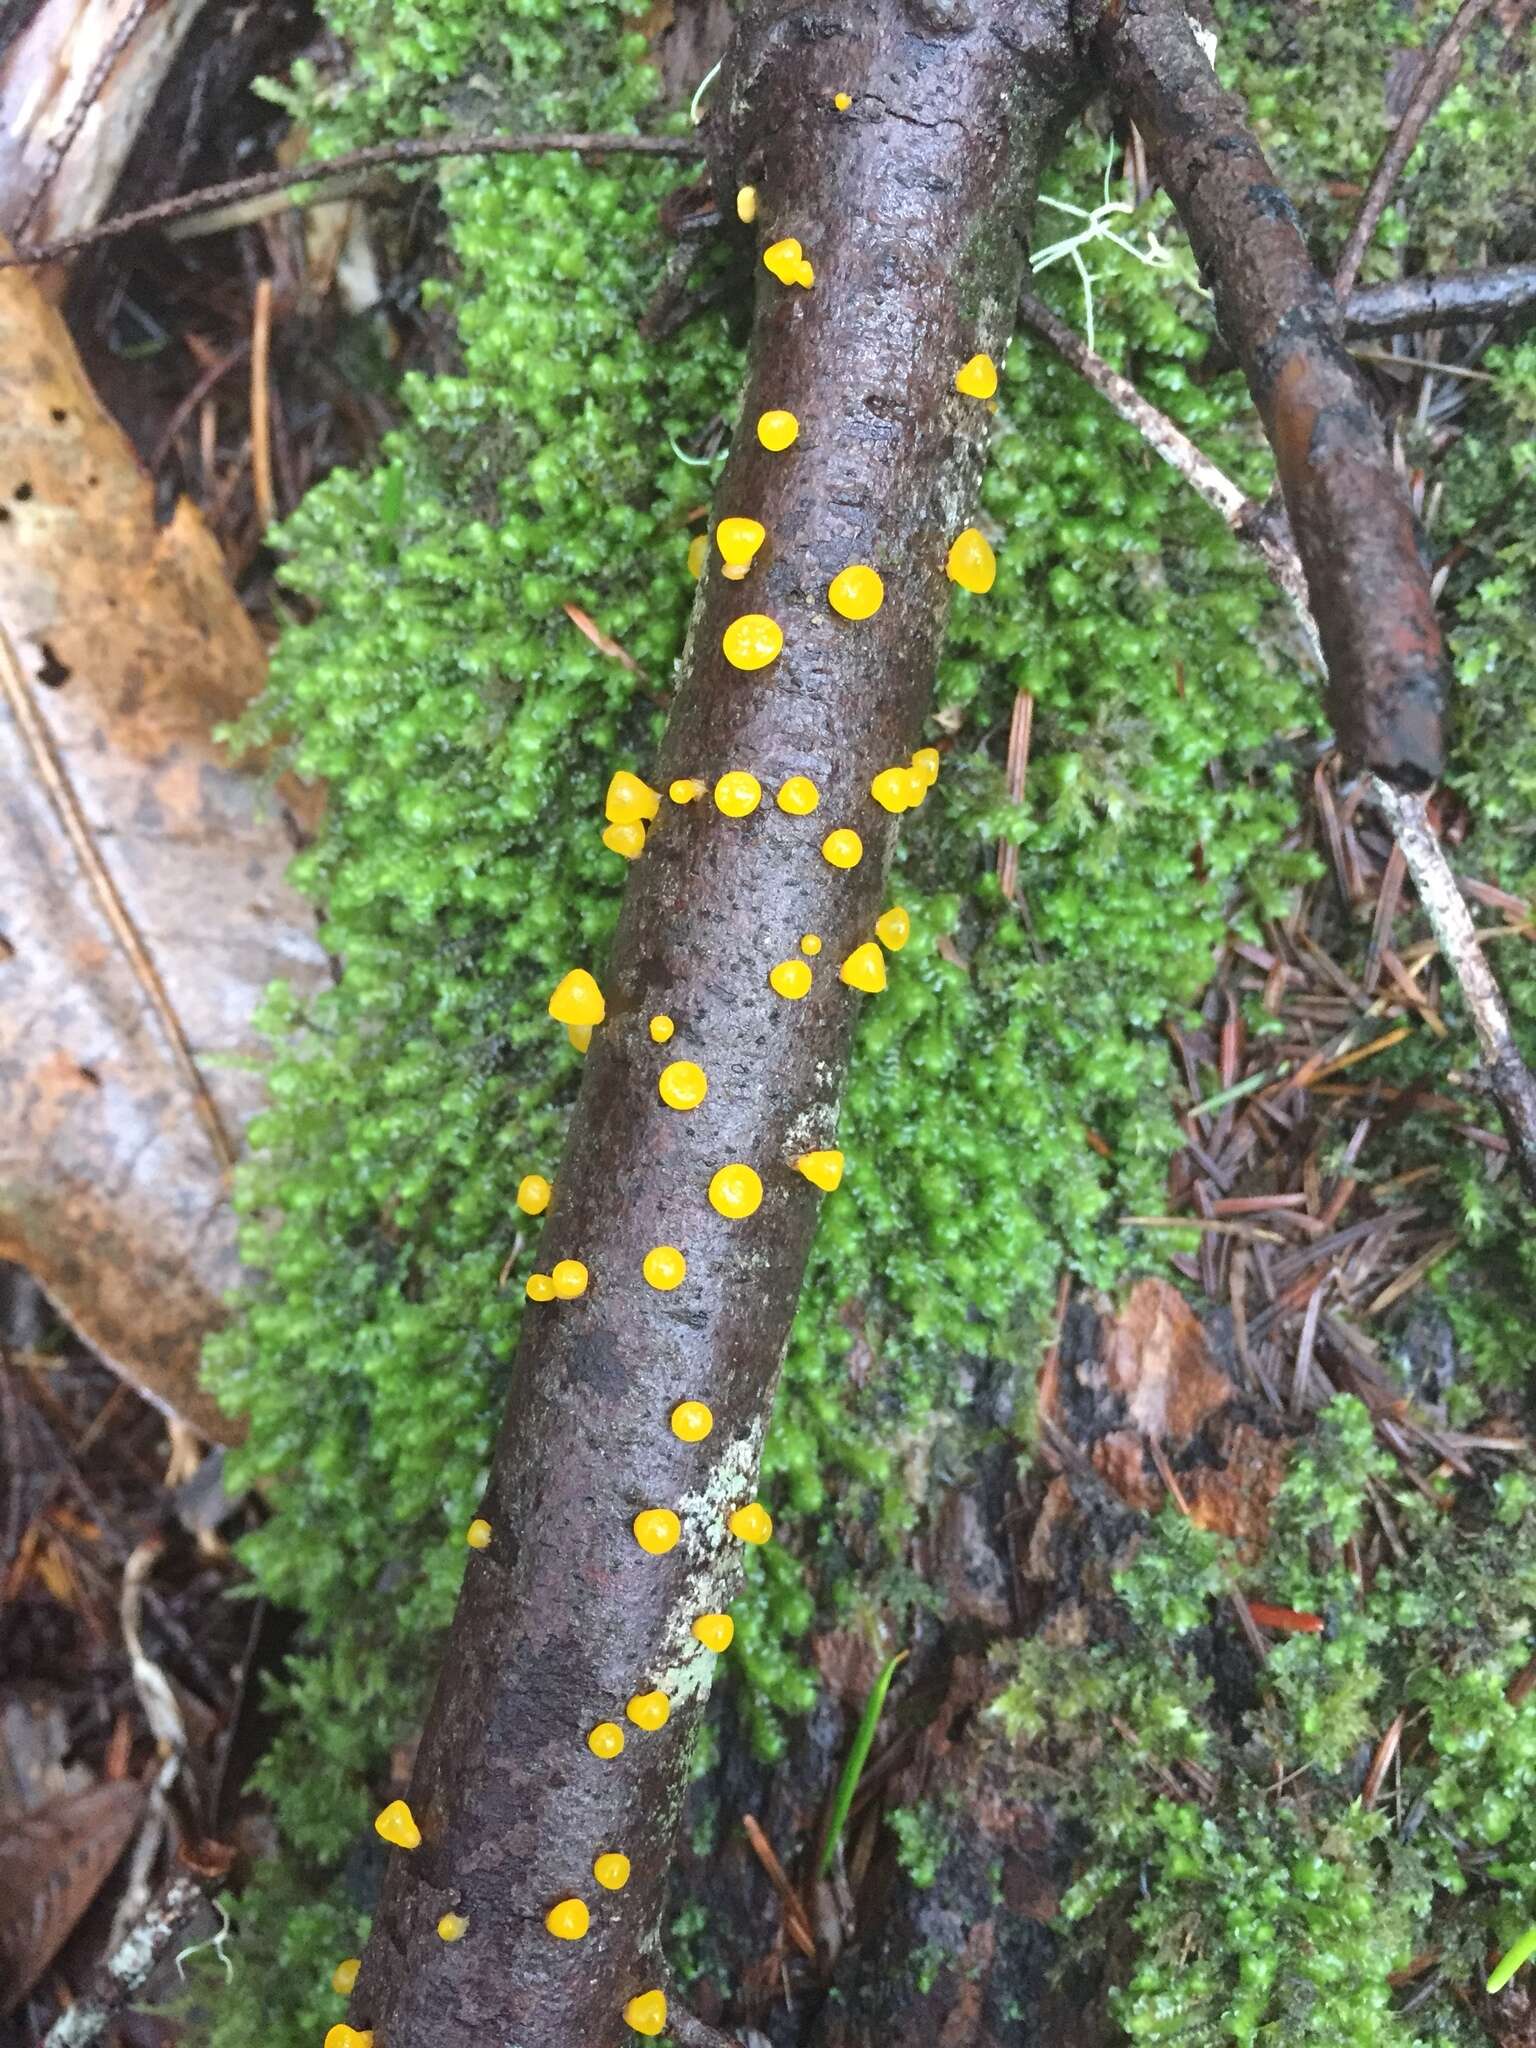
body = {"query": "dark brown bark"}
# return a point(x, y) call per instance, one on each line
point(1459, 298)
point(908, 206)
point(1349, 510)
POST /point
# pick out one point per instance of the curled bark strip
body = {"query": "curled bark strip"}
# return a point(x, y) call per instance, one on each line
point(907, 205)
point(1349, 510)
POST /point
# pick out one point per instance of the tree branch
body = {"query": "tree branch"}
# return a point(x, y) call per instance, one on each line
point(1349, 510)
point(907, 205)
point(1457, 298)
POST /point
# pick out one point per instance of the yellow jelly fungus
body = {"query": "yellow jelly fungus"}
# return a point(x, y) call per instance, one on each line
point(864, 968)
point(783, 258)
point(738, 541)
point(629, 800)
point(917, 789)
point(738, 794)
point(791, 978)
point(752, 641)
point(578, 1000)
point(683, 1085)
point(746, 204)
point(606, 1740)
point(698, 554)
point(684, 790)
point(628, 841)
point(611, 1871)
point(478, 1534)
point(822, 1169)
point(856, 592)
point(971, 564)
point(540, 1287)
point(343, 2036)
point(397, 1824)
point(842, 101)
point(843, 848)
point(580, 1035)
point(799, 796)
point(647, 2014)
point(926, 763)
point(657, 1530)
point(893, 928)
point(692, 1422)
point(977, 378)
point(452, 1927)
point(649, 1710)
point(804, 275)
point(662, 1028)
point(664, 1268)
point(714, 1631)
point(568, 1921)
point(735, 1191)
point(751, 1524)
point(533, 1193)
point(810, 944)
point(569, 1279)
point(344, 1976)
point(889, 789)
point(777, 430)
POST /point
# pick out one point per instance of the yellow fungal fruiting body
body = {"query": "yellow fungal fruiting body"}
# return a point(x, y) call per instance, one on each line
point(811, 944)
point(684, 789)
point(842, 101)
point(752, 641)
point(540, 1287)
point(578, 1000)
point(627, 841)
point(568, 1921)
point(977, 378)
point(452, 1927)
point(657, 1530)
point(397, 1824)
point(662, 1028)
point(856, 592)
point(785, 259)
point(735, 1190)
point(580, 1035)
point(649, 1710)
point(738, 541)
point(843, 848)
point(971, 564)
point(664, 1268)
point(715, 1631)
point(692, 1421)
point(751, 1524)
point(629, 801)
point(777, 430)
point(798, 796)
point(864, 969)
point(698, 554)
point(344, 1976)
point(533, 1193)
point(917, 788)
point(738, 794)
point(343, 2036)
point(682, 1085)
point(611, 1871)
point(569, 1279)
point(791, 979)
point(926, 762)
point(893, 928)
point(890, 790)
point(606, 1740)
point(746, 204)
point(822, 1169)
point(647, 2014)
point(478, 1534)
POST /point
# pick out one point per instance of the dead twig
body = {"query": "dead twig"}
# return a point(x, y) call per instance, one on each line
point(128, 1968)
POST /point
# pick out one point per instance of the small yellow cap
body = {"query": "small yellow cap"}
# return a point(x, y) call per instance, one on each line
point(478, 1534)
point(893, 928)
point(568, 1921)
point(627, 841)
point(533, 1193)
point(977, 378)
point(662, 1028)
point(791, 978)
point(971, 564)
point(664, 1268)
point(843, 848)
point(738, 541)
point(647, 2014)
point(343, 2036)
point(714, 1631)
point(397, 1824)
point(785, 259)
point(569, 1279)
point(799, 796)
point(842, 101)
point(746, 204)
point(578, 1000)
point(738, 794)
point(344, 1976)
point(864, 968)
point(692, 1421)
point(804, 274)
point(683, 1085)
point(777, 430)
point(611, 1871)
point(735, 1190)
point(822, 1169)
point(889, 789)
point(698, 554)
point(606, 1739)
point(751, 1524)
point(684, 789)
point(926, 762)
point(657, 1530)
point(811, 944)
point(752, 641)
point(629, 800)
point(580, 1035)
point(649, 1710)
point(452, 1927)
point(540, 1287)
point(856, 592)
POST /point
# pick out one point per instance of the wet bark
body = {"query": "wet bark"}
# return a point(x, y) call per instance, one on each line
point(908, 205)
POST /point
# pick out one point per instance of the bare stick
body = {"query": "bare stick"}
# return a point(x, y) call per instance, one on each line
point(129, 1967)
point(378, 155)
point(1439, 75)
point(1458, 298)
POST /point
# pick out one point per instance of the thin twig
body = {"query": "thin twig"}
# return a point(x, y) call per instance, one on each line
point(129, 1966)
point(378, 155)
point(63, 142)
point(1438, 76)
point(261, 409)
point(54, 777)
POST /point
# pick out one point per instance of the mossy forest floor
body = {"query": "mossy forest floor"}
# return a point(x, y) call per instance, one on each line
point(1168, 1013)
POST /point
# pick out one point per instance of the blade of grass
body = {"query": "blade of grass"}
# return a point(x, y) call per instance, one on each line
point(858, 1757)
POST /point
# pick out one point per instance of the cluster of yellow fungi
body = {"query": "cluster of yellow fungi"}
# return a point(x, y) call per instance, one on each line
point(751, 641)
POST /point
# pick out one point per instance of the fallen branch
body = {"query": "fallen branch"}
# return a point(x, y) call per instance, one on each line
point(1457, 298)
point(129, 1967)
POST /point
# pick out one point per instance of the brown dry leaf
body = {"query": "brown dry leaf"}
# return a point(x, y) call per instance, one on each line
point(1157, 1358)
point(145, 907)
point(603, 642)
point(52, 1864)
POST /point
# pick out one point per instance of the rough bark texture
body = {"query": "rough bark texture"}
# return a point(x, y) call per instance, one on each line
point(907, 204)
point(1459, 298)
point(1350, 512)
